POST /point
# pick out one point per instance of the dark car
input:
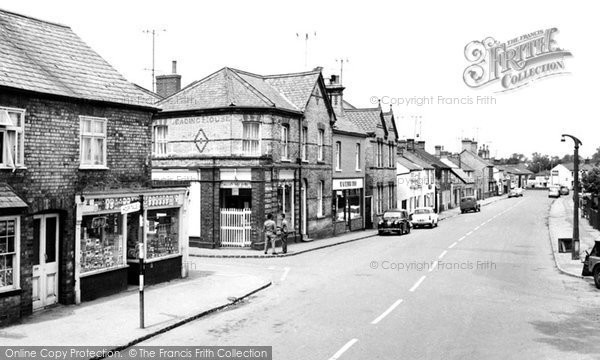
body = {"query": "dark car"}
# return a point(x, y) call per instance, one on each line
point(469, 203)
point(591, 264)
point(564, 190)
point(394, 221)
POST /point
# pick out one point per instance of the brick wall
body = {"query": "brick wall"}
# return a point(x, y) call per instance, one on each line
point(52, 178)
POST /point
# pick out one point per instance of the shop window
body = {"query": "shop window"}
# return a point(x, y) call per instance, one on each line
point(102, 242)
point(160, 140)
point(93, 142)
point(321, 144)
point(340, 206)
point(11, 137)
point(163, 233)
point(285, 142)
point(9, 248)
point(304, 143)
point(251, 138)
point(354, 203)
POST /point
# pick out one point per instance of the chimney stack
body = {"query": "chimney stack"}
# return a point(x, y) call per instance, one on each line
point(335, 90)
point(410, 144)
point(421, 145)
point(167, 85)
point(438, 151)
point(474, 146)
point(466, 144)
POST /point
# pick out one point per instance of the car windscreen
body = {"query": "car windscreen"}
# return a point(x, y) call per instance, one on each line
point(393, 215)
point(466, 199)
point(422, 211)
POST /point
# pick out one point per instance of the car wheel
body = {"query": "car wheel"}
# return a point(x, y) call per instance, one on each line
point(380, 233)
point(597, 276)
point(436, 223)
point(408, 229)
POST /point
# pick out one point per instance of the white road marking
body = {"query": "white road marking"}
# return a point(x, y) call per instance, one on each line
point(387, 312)
point(461, 239)
point(453, 245)
point(271, 268)
point(285, 274)
point(433, 266)
point(483, 223)
point(343, 349)
point(416, 285)
point(442, 254)
point(469, 233)
point(476, 228)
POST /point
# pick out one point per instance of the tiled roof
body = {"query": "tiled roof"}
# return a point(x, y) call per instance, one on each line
point(463, 166)
point(582, 166)
point(232, 87)
point(347, 105)
point(478, 158)
point(345, 125)
point(461, 175)
point(366, 119)
point(49, 58)
point(430, 158)
point(391, 124)
point(152, 95)
point(9, 199)
point(411, 156)
point(408, 164)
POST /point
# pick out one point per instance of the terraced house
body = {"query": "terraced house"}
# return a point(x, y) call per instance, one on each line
point(249, 145)
point(75, 142)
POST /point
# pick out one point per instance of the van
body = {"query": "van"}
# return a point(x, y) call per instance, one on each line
point(469, 203)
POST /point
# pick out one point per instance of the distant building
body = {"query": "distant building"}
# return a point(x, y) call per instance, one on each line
point(485, 183)
point(563, 174)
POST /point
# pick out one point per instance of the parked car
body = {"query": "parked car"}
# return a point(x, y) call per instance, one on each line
point(564, 190)
point(469, 203)
point(424, 216)
point(516, 192)
point(553, 192)
point(394, 221)
point(591, 264)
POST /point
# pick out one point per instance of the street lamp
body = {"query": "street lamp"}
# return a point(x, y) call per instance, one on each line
point(575, 253)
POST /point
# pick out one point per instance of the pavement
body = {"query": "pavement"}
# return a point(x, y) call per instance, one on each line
point(560, 225)
point(304, 247)
point(113, 321)
point(481, 285)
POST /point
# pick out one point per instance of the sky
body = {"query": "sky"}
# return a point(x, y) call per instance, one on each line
point(391, 50)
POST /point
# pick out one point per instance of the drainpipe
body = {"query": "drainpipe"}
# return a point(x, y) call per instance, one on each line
point(300, 182)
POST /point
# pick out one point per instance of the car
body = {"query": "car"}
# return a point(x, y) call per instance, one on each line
point(591, 264)
point(516, 192)
point(469, 203)
point(564, 190)
point(553, 192)
point(424, 216)
point(394, 221)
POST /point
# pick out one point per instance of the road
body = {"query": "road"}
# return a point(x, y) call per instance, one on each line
point(494, 293)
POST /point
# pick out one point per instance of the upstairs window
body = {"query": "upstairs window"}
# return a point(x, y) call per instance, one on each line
point(338, 156)
point(379, 154)
point(391, 155)
point(93, 141)
point(11, 137)
point(160, 139)
point(304, 143)
point(321, 144)
point(357, 155)
point(285, 142)
point(251, 138)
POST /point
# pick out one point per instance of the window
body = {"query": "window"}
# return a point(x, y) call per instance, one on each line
point(93, 141)
point(11, 137)
point(304, 145)
point(321, 143)
point(357, 156)
point(338, 156)
point(160, 140)
point(285, 142)
point(9, 248)
point(391, 154)
point(251, 138)
point(102, 242)
point(320, 192)
point(379, 199)
point(379, 154)
point(285, 199)
point(391, 195)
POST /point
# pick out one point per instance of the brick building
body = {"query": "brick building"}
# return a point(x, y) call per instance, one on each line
point(485, 184)
point(74, 138)
point(380, 159)
point(249, 145)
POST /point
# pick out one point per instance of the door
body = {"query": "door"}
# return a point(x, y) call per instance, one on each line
point(368, 212)
point(304, 207)
point(45, 260)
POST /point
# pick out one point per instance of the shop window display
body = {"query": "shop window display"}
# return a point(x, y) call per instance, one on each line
point(101, 242)
point(163, 233)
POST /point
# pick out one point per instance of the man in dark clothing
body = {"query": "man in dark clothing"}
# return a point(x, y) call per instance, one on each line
point(284, 233)
point(269, 230)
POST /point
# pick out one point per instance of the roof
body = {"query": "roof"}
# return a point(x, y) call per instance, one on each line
point(463, 166)
point(366, 119)
point(153, 95)
point(478, 158)
point(515, 169)
point(9, 199)
point(390, 122)
point(417, 160)
point(344, 125)
point(49, 58)
point(449, 163)
point(230, 87)
point(346, 105)
point(430, 158)
point(582, 166)
point(462, 175)
point(408, 164)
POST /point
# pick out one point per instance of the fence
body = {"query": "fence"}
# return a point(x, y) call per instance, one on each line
point(236, 227)
point(591, 213)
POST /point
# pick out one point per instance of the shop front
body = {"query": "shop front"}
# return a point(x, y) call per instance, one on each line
point(348, 204)
point(109, 239)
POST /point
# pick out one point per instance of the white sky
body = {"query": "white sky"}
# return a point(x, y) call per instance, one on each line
point(395, 49)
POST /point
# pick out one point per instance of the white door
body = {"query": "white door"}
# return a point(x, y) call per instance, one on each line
point(194, 210)
point(45, 260)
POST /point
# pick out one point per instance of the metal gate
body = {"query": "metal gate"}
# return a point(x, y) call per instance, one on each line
point(236, 227)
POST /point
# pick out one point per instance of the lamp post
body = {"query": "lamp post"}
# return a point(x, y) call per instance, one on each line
point(575, 253)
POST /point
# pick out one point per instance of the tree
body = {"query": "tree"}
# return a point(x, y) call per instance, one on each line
point(591, 181)
point(596, 156)
point(539, 163)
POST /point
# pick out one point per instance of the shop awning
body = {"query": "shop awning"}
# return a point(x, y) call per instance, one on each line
point(9, 199)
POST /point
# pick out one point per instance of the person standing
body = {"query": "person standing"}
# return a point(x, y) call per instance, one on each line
point(269, 230)
point(284, 234)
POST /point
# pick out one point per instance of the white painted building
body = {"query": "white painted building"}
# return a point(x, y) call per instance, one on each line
point(415, 184)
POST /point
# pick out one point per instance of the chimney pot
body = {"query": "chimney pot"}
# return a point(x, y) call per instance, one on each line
point(174, 67)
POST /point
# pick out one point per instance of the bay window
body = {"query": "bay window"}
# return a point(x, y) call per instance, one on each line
point(251, 138)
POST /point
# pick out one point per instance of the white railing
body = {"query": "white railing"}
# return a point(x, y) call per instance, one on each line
point(236, 227)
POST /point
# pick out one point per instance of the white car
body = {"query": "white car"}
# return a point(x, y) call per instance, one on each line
point(424, 216)
point(516, 192)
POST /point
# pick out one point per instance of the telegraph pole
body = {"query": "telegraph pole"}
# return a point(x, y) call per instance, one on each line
point(154, 33)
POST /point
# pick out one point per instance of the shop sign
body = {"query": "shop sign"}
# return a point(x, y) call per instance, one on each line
point(236, 185)
point(346, 184)
point(130, 208)
point(94, 205)
point(162, 200)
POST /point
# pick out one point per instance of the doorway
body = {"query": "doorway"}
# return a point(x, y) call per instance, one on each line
point(45, 260)
point(304, 206)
